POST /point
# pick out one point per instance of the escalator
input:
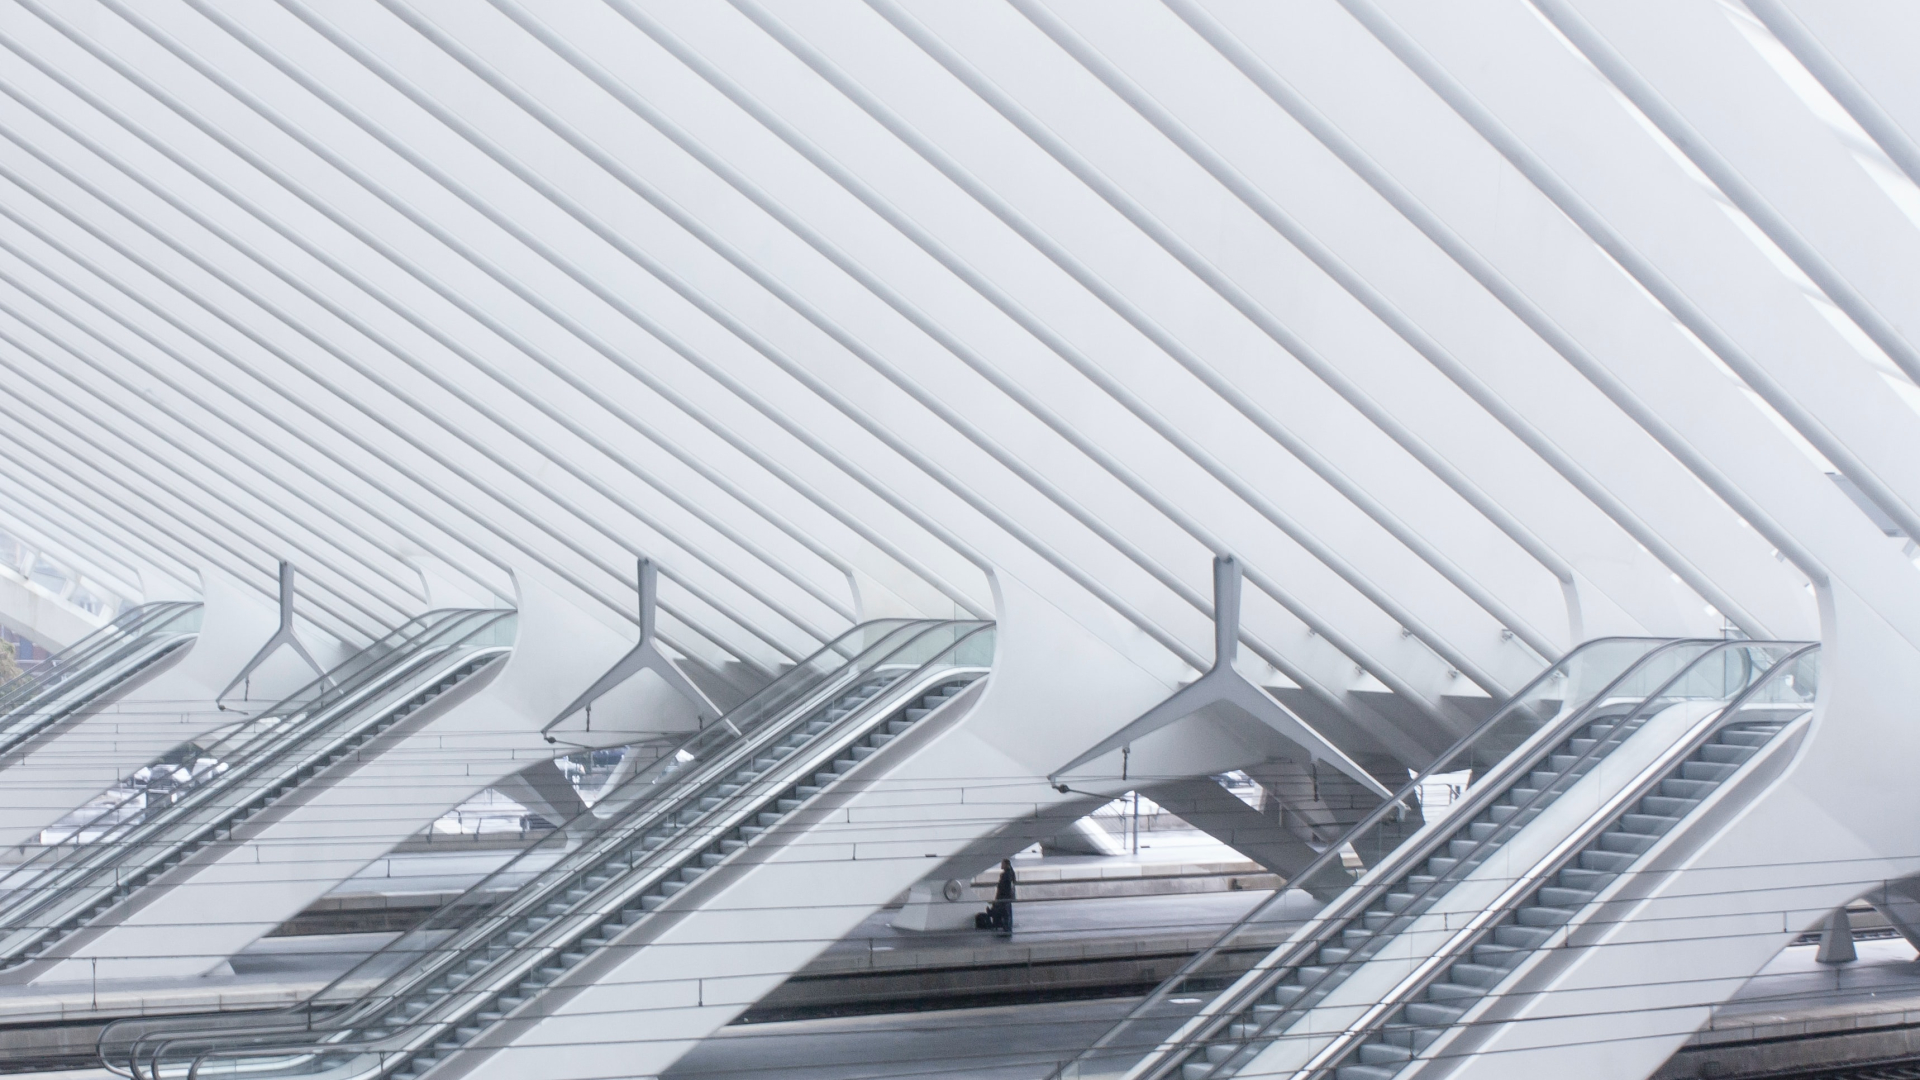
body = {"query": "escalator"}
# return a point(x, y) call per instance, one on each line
point(93, 671)
point(128, 843)
point(537, 925)
point(1564, 788)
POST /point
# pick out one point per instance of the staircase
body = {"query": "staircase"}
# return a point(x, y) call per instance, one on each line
point(67, 887)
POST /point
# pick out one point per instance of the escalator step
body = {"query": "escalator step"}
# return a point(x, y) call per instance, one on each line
point(1681, 788)
point(1434, 1013)
point(1668, 805)
point(1626, 842)
point(1467, 973)
point(1558, 896)
point(1707, 770)
point(1542, 916)
point(1647, 824)
point(1576, 877)
point(1611, 861)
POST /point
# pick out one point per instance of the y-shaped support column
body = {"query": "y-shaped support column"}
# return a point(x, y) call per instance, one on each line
point(1223, 688)
point(282, 636)
point(646, 656)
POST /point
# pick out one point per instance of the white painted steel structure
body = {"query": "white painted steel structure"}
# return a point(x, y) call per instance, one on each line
point(1473, 330)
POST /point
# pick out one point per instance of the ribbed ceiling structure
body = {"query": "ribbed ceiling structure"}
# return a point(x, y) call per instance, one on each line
point(1474, 329)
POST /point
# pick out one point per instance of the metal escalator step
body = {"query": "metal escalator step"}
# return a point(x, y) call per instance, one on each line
point(1196, 1070)
point(691, 873)
point(915, 714)
point(709, 802)
point(1220, 1051)
point(1380, 1053)
point(862, 753)
point(1707, 770)
point(1355, 936)
point(806, 791)
point(1582, 745)
point(1612, 861)
point(1311, 973)
point(898, 727)
point(1439, 865)
point(1541, 778)
point(1560, 763)
point(786, 806)
point(769, 819)
point(1377, 920)
point(1523, 936)
point(671, 887)
point(731, 846)
point(1283, 995)
point(1560, 896)
point(1541, 915)
point(710, 859)
point(1468, 973)
point(1737, 737)
point(1412, 1036)
point(1494, 954)
point(650, 901)
point(1521, 796)
point(1461, 848)
point(1480, 830)
point(1367, 1072)
point(1578, 877)
point(729, 789)
point(1647, 824)
point(1727, 753)
point(1626, 842)
point(748, 832)
point(879, 739)
point(1397, 901)
point(1434, 1013)
point(1668, 805)
point(1451, 992)
point(1334, 954)
point(1680, 787)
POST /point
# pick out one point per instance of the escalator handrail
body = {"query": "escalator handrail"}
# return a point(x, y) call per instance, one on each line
point(251, 759)
point(609, 834)
point(828, 683)
point(642, 811)
point(1656, 701)
point(100, 854)
point(99, 653)
point(1401, 799)
point(126, 625)
point(1527, 883)
point(888, 700)
point(264, 746)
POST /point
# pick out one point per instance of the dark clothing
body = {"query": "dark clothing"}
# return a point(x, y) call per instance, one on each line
point(999, 914)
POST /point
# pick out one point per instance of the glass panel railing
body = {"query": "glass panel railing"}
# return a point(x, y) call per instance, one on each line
point(102, 859)
point(514, 933)
point(135, 624)
point(1276, 998)
point(93, 668)
point(1538, 903)
point(1604, 674)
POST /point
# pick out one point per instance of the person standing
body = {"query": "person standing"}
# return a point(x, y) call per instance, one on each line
point(999, 914)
